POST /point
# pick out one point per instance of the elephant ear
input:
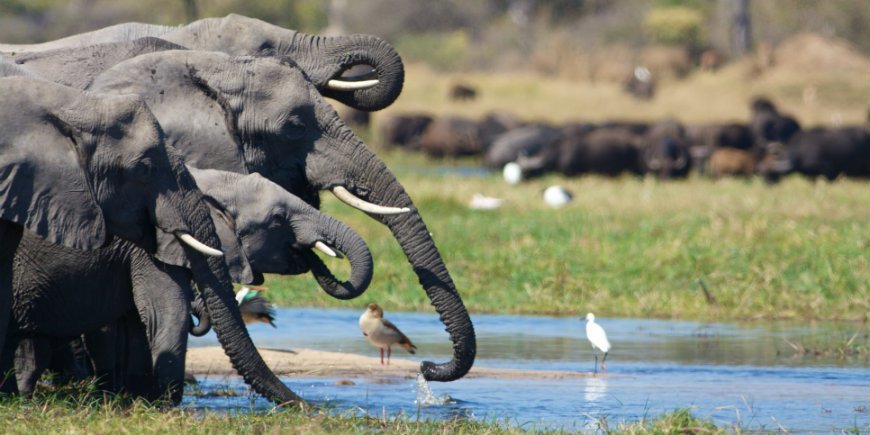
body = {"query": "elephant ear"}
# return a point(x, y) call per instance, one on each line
point(170, 251)
point(43, 184)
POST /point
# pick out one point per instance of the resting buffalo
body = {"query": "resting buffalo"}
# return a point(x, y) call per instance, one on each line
point(769, 125)
point(526, 141)
point(665, 151)
point(606, 151)
point(403, 130)
point(732, 161)
point(585, 149)
point(452, 136)
point(827, 152)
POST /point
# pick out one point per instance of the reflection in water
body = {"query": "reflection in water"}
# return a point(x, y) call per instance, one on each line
point(724, 372)
point(595, 389)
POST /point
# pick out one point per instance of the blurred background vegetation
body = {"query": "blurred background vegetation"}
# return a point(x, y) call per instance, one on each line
point(542, 35)
point(811, 56)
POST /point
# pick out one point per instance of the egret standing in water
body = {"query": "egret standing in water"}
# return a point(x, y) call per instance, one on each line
point(596, 335)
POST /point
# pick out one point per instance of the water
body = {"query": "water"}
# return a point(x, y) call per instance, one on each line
point(733, 374)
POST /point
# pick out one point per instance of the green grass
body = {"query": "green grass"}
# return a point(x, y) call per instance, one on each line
point(625, 247)
point(88, 413)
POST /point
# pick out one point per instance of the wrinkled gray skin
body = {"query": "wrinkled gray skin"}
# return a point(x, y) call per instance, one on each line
point(78, 169)
point(263, 229)
point(322, 58)
point(260, 115)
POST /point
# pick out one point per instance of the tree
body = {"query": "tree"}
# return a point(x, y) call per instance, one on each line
point(741, 35)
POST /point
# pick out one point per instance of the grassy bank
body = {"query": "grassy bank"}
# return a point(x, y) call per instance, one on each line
point(694, 249)
point(93, 416)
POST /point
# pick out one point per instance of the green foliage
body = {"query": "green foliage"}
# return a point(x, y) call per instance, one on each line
point(20, 7)
point(679, 421)
point(308, 16)
point(444, 51)
point(94, 414)
point(675, 25)
point(625, 247)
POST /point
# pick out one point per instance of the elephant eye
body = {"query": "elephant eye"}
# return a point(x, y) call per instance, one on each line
point(293, 129)
point(144, 170)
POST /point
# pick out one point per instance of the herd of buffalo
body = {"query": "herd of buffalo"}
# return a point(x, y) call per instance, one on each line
point(770, 144)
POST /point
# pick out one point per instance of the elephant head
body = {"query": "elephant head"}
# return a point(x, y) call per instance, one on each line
point(262, 115)
point(265, 229)
point(78, 168)
point(327, 61)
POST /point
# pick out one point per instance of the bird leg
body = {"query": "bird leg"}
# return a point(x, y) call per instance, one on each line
point(382, 356)
point(603, 367)
point(389, 352)
point(595, 367)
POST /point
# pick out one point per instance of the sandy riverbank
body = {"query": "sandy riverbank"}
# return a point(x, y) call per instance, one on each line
point(212, 361)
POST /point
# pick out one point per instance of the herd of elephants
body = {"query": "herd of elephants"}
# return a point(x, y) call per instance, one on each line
point(770, 144)
point(144, 169)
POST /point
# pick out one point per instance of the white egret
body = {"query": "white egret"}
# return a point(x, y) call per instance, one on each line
point(512, 173)
point(556, 196)
point(596, 335)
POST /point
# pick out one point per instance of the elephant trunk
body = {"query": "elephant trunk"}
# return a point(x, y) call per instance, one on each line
point(325, 58)
point(203, 326)
point(371, 180)
point(215, 285)
point(357, 252)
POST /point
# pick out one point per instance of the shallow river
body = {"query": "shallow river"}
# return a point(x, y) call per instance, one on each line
point(734, 374)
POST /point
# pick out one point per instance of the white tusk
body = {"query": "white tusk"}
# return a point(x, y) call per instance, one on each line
point(320, 246)
point(199, 246)
point(352, 200)
point(343, 85)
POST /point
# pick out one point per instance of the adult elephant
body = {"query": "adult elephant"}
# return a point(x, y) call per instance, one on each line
point(61, 292)
point(246, 115)
point(78, 169)
point(327, 61)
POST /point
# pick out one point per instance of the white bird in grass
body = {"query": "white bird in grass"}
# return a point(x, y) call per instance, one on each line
point(381, 333)
point(556, 196)
point(596, 335)
point(512, 173)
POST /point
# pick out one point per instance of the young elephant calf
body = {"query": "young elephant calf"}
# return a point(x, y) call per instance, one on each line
point(263, 229)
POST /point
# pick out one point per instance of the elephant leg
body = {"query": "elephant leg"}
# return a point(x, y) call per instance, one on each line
point(32, 357)
point(10, 235)
point(102, 346)
point(69, 361)
point(162, 297)
point(135, 355)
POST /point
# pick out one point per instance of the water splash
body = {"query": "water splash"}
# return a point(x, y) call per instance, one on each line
point(425, 396)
